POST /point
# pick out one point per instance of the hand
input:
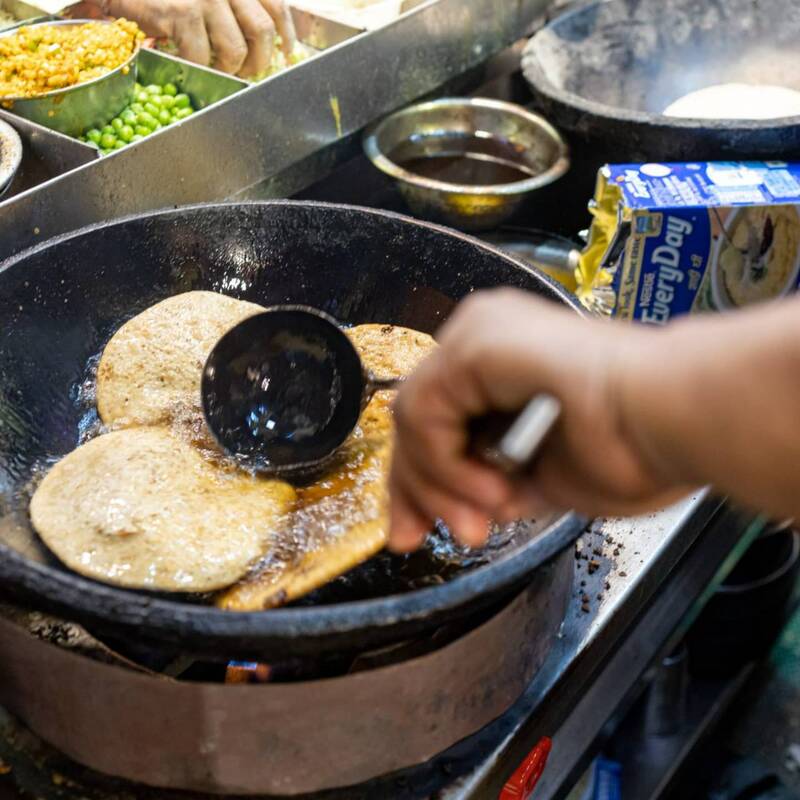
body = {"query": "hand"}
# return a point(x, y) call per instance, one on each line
point(240, 33)
point(498, 350)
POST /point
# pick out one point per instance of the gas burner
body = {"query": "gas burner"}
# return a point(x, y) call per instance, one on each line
point(393, 708)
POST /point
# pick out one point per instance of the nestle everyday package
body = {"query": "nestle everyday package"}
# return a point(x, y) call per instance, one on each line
point(671, 239)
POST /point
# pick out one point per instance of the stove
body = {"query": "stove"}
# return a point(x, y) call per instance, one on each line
point(636, 585)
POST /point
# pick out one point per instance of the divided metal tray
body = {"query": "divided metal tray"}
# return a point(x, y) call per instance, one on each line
point(241, 142)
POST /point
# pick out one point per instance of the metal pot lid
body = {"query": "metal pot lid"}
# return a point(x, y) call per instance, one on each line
point(10, 154)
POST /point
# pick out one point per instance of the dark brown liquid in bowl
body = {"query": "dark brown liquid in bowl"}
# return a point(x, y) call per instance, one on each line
point(466, 160)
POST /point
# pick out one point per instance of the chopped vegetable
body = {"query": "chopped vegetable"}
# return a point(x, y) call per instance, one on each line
point(38, 59)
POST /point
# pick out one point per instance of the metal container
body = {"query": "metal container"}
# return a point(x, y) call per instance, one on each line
point(45, 155)
point(430, 129)
point(604, 72)
point(76, 108)
point(10, 155)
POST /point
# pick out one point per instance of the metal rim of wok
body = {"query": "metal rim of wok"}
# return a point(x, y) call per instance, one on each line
point(199, 628)
point(537, 77)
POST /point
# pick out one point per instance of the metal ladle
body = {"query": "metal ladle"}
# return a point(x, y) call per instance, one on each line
point(283, 390)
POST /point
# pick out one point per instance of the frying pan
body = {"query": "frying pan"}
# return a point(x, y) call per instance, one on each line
point(61, 301)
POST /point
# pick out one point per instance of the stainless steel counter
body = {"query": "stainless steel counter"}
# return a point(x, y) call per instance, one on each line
point(654, 575)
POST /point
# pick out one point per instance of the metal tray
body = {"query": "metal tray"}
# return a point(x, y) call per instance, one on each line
point(321, 31)
point(236, 147)
point(46, 154)
point(203, 85)
point(50, 154)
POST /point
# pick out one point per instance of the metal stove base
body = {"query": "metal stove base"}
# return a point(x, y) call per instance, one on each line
point(653, 574)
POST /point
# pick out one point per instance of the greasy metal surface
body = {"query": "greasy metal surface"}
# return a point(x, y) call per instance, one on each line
point(617, 680)
point(265, 738)
point(60, 303)
point(637, 564)
point(76, 108)
point(46, 154)
point(467, 207)
point(606, 71)
point(260, 132)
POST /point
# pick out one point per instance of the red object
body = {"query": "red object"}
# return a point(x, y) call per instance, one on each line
point(521, 784)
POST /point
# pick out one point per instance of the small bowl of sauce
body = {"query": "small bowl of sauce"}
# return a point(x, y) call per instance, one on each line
point(468, 162)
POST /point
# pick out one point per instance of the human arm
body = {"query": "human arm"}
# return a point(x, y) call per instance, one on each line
point(648, 414)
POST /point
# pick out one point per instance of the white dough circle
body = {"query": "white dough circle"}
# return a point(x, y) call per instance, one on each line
point(736, 101)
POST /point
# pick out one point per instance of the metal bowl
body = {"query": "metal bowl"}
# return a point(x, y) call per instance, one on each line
point(429, 131)
point(10, 155)
point(76, 108)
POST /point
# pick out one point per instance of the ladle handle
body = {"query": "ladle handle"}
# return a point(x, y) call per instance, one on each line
point(510, 447)
point(519, 444)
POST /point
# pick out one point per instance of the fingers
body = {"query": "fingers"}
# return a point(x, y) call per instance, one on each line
point(468, 524)
point(408, 526)
point(191, 38)
point(282, 17)
point(259, 33)
point(227, 39)
point(431, 430)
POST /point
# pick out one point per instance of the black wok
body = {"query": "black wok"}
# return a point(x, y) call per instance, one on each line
point(61, 301)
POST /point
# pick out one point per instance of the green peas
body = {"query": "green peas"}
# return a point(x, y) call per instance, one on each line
point(152, 108)
point(148, 120)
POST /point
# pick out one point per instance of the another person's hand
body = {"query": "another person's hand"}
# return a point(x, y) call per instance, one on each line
point(498, 350)
point(238, 35)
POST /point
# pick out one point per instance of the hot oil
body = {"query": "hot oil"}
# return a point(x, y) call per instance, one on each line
point(470, 160)
point(351, 491)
